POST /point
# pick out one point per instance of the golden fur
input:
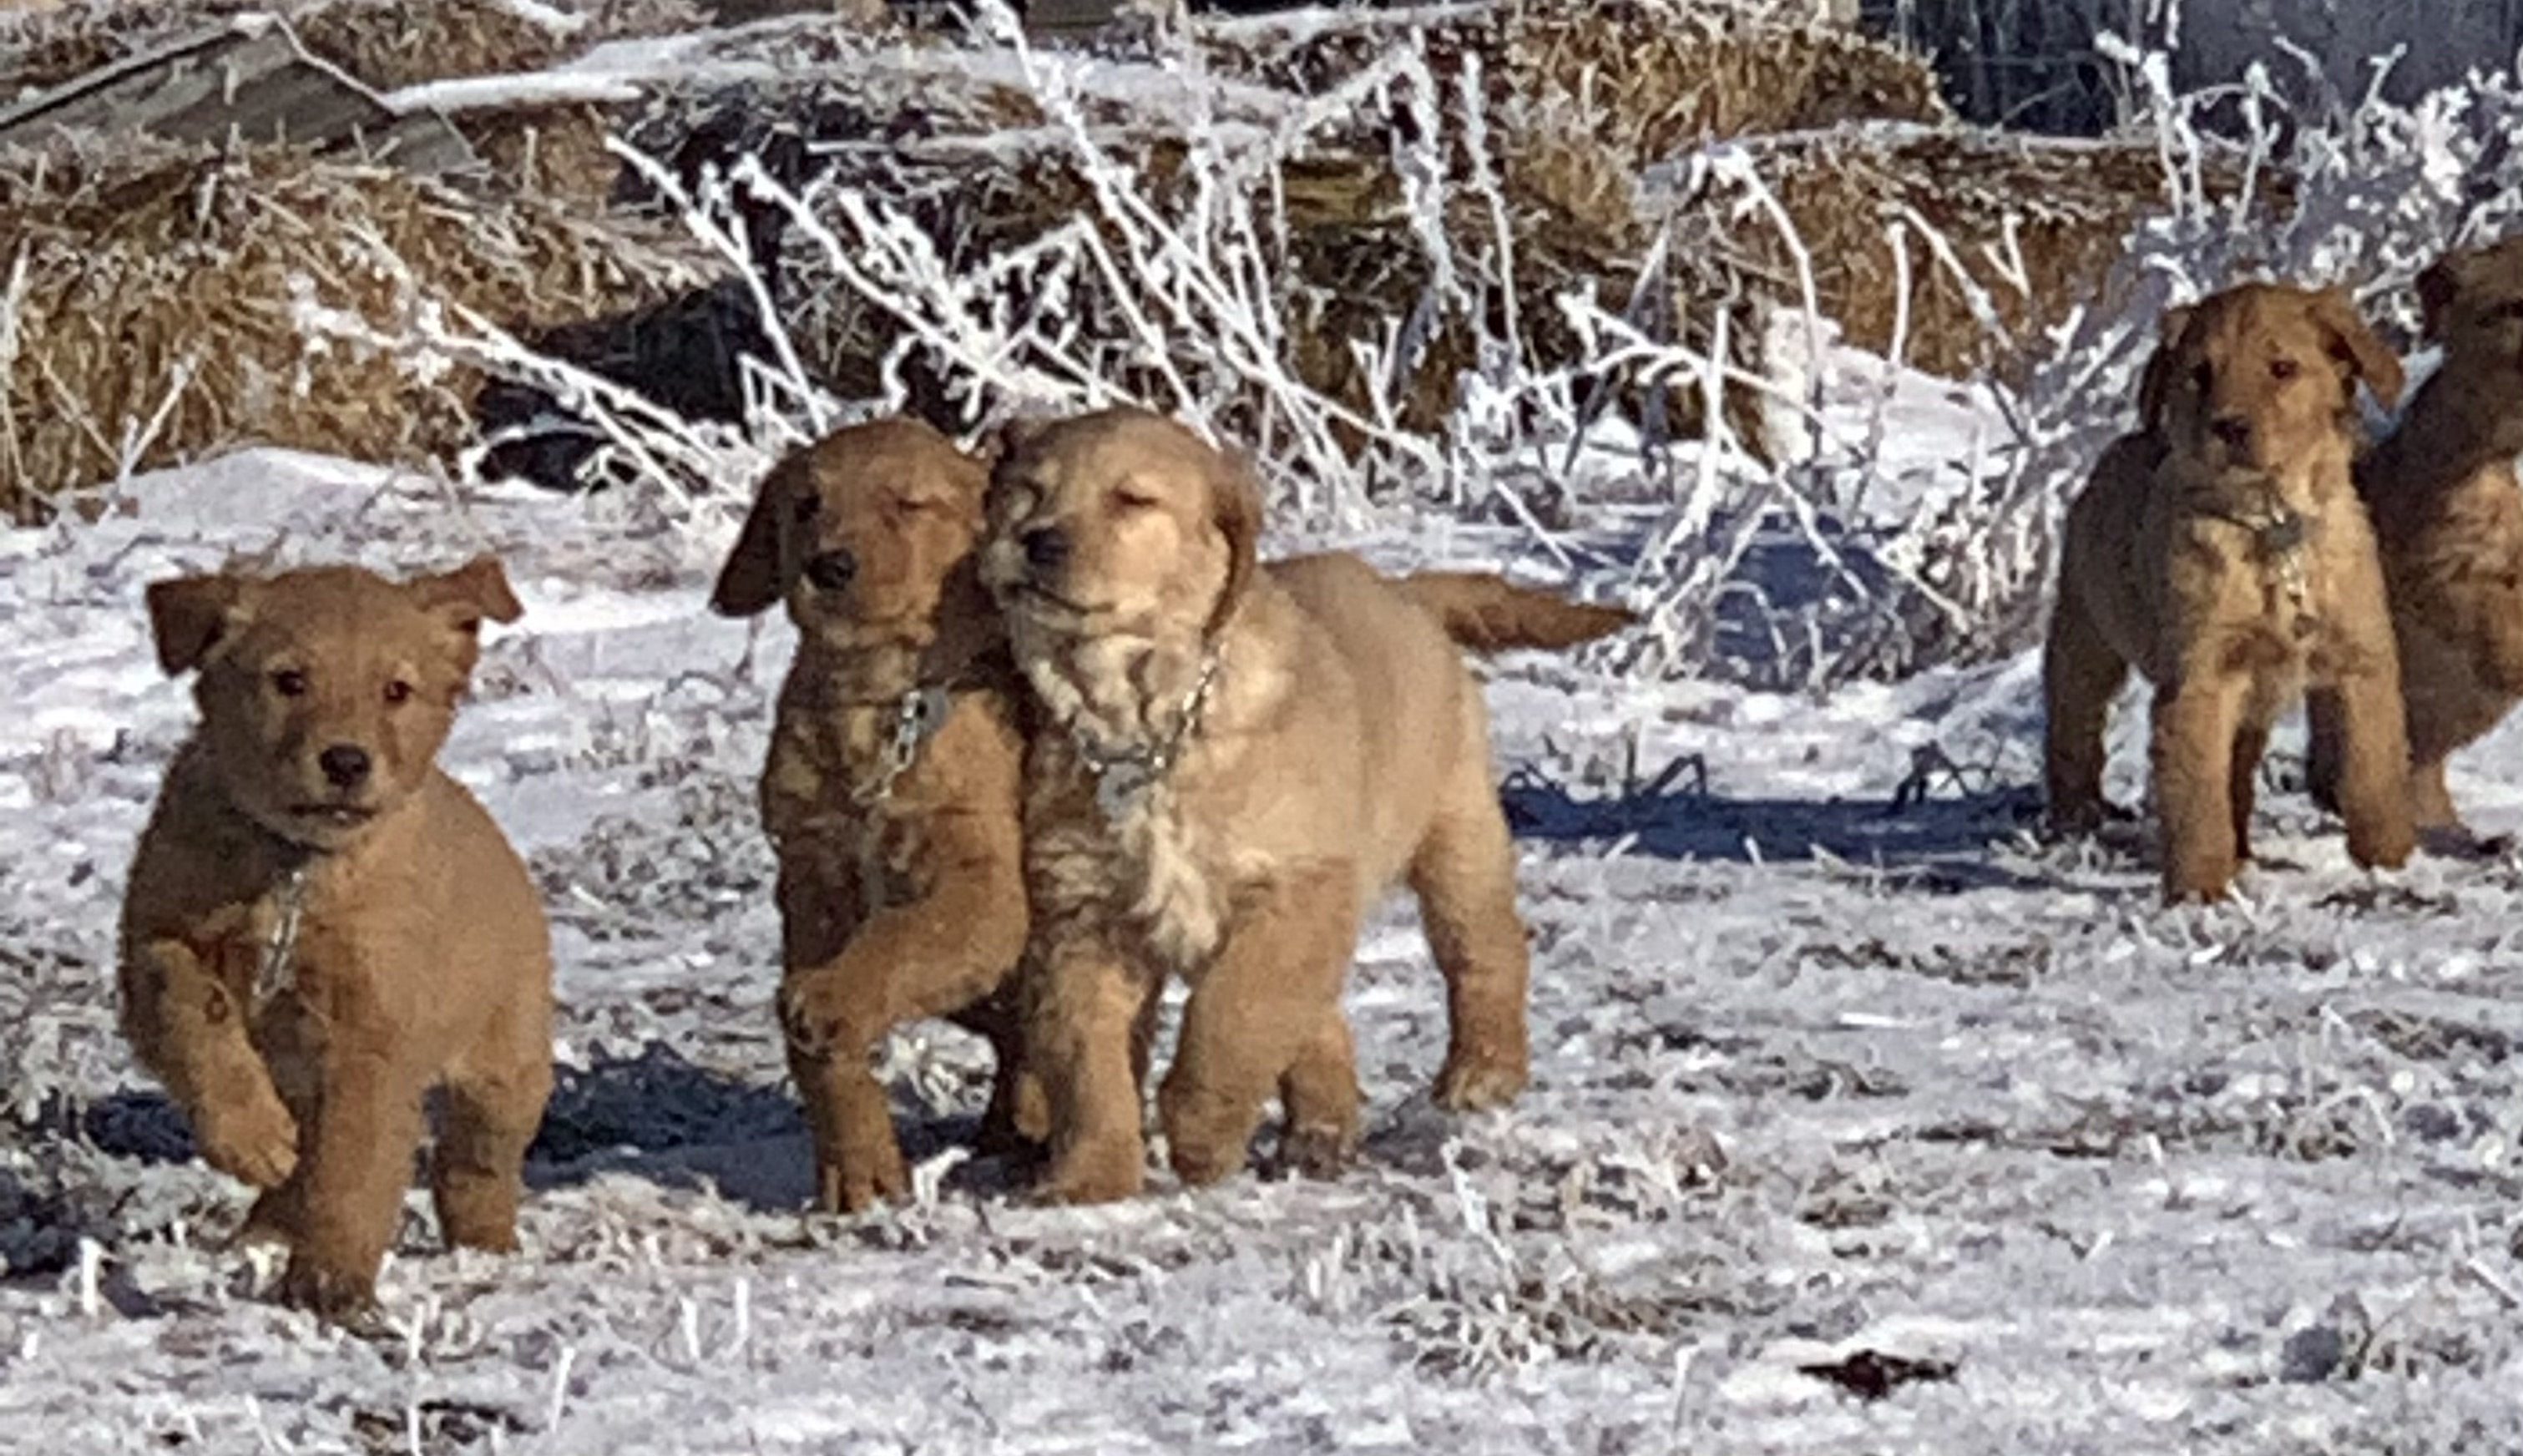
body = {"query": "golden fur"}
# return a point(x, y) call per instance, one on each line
point(2448, 512)
point(1280, 744)
point(901, 879)
point(420, 954)
point(2222, 554)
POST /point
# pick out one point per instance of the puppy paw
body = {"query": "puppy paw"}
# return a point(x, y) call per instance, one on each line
point(1478, 1085)
point(1318, 1152)
point(326, 1289)
point(1092, 1176)
point(272, 1222)
point(253, 1139)
point(861, 1181)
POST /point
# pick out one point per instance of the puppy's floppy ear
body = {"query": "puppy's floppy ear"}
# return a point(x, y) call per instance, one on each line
point(2353, 340)
point(2438, 288)
point(1235, 507)
point(1008, 440)
point(756, 571)
point(2155, 384)
point(189, 615)
point(471, 594)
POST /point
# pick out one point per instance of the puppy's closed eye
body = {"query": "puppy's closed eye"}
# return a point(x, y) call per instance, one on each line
point(1134, 500)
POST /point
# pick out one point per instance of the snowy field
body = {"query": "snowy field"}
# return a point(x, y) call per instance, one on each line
point(1864, 1120)
point(1854, 1128)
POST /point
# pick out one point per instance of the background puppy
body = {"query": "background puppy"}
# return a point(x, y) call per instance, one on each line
point(1239, 760)
point(322, 924)
point(2221, 552)
point(891, 786)
point(2447, 511)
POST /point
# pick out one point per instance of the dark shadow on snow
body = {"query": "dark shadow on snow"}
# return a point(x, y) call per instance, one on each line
point(653, 1116)
point(1940, 844)
point(659, 1117)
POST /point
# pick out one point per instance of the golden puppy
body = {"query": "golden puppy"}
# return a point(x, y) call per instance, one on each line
point(1239, 760)
point(321, 926)
point(2448, 512)
point(2221, 552)
point(891, 790)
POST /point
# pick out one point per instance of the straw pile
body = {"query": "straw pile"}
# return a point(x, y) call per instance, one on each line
point(387, 45)
point(156, 276)
point(1656, 76)
point(1578, 102)
point(2035, 223)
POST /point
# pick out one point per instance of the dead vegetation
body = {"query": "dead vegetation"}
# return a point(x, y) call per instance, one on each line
point(1408, 245)
point(157, 311)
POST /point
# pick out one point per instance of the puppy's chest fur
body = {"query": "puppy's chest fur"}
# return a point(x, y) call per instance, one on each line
point(852, 792)
point(2267, 567)
point(1140, 866)
point(295, 952)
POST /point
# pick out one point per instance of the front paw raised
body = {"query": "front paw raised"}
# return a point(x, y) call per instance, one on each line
point(251, 1137)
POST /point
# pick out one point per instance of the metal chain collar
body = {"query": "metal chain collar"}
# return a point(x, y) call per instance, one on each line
point(2279, 535)
point(1123, 778)
point(917, 718)
point(277, 974)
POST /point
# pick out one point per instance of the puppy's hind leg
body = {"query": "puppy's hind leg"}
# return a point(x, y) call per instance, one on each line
point(2251, 745)
point(1320, 1097)
point(2080, 674)
point(1464, 879)
point(2322, 747)
point(1255, 1014)
point(2374, 777)
point(496, 1095)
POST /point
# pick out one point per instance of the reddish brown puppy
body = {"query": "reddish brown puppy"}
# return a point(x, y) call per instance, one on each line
point(2222, 554)
point(321, 926)
point(2447, 511)
point(890, 793)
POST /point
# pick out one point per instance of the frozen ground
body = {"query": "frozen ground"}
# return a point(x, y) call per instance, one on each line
point(1821, 1086)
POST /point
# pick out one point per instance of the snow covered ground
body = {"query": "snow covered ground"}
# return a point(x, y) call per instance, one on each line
point(1833, 1100)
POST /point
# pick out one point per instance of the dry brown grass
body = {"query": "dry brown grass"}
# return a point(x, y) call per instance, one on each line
point(1655, 76)
point(386, 44)
point(156, 261)
point(2035, 225)
point(555, 152)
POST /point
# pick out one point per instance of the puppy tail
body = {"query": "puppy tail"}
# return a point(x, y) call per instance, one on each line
point(1488, 613)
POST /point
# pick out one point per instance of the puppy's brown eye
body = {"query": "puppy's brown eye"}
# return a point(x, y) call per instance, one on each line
point(2202, 379)
point(289, 683)
point(805, 507)
point(2508, 311)
point(398, 691)
point(2284, 368)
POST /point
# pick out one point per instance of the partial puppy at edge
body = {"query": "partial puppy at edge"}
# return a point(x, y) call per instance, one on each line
point(2447, 511)
point(1235, 761)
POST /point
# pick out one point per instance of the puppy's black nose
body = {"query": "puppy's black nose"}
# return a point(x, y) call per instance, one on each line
point(2233, 430)
point(1046, 548)
point(832, 571)
point(346, 764)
